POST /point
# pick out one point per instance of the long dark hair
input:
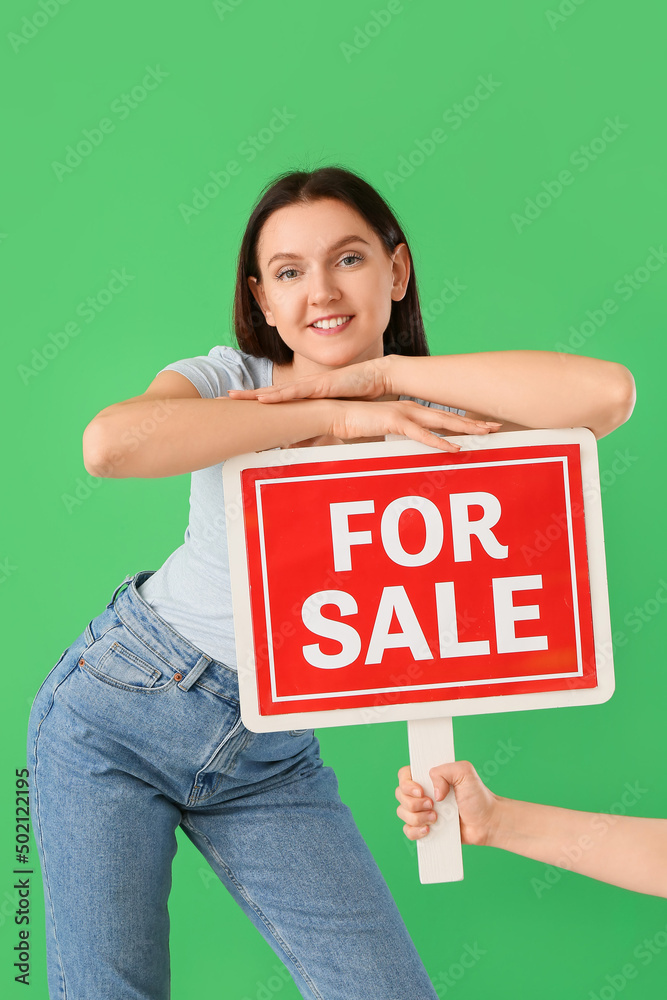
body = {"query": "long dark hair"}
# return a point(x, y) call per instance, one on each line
point(405, 331)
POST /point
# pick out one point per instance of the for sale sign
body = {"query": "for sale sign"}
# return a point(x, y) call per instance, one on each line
point(384, 581)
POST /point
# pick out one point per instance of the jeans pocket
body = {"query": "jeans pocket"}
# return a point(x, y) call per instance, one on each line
point(118, 658)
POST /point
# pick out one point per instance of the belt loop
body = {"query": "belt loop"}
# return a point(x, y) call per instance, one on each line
point(130, 576)
point(196, 672)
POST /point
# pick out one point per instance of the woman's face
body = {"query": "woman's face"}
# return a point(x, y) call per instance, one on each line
point(323, 260)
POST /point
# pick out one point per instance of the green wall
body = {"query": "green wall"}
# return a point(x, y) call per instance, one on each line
point(549, 81)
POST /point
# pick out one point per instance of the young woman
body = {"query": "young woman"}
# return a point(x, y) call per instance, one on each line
point(137, 729)
point(628, 851)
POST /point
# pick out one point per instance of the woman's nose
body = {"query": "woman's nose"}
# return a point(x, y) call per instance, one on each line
point(322, 286)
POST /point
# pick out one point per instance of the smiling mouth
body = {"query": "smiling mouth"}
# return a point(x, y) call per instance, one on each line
point(331, 329)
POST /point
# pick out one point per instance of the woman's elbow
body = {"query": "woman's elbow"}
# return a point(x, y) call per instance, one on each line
point(626, 394)
point(95, 458)
point(620, 401)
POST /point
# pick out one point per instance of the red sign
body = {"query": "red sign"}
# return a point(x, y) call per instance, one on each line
point(418, 577)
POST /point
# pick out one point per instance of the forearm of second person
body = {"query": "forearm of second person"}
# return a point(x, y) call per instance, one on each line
point(149, 438)
point(627, 851)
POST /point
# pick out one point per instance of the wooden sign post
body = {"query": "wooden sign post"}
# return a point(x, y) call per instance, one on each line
point(392, 580)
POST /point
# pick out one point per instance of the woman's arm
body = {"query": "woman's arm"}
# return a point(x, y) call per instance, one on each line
point(521, 388)
point(170, 429)
point(628, 851)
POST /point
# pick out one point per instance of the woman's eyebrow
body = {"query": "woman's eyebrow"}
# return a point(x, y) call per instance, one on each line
point(334, 246)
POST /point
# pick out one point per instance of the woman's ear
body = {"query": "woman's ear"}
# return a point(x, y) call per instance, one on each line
point(257, 290)
point(400, 266)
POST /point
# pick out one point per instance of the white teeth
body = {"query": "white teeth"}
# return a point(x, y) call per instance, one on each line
point(328, 324)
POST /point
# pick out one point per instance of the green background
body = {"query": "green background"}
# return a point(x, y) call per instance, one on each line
point(558, 77)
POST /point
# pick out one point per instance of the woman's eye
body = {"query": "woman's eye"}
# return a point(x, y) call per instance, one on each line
point(348, 256)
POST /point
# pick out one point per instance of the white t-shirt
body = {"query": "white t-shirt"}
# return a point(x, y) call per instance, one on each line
point(191, 590)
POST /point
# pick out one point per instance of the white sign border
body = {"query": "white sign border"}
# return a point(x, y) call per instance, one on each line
point(307, 719)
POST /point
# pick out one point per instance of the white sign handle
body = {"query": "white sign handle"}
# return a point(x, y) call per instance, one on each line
point(431, 742)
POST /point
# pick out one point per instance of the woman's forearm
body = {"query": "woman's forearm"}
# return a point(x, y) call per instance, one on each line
point(149, 438)
point(532, 388)
point(627, 851)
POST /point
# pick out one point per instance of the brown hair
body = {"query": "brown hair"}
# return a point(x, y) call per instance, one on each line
point(405, 331)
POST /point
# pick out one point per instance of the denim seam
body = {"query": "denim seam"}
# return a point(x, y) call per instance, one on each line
point(41, 838)
point(234, 702)
point(136, 661)
point(144, 643)
point(93, 638)
point(228, 764)
point(177, 635)
point(265, 920)
point(133, 689)
point(196, 786)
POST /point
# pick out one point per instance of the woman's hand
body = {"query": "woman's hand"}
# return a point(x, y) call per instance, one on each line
point(357, 421)
point(366, 380)
point(478, 807)
point(353, 420)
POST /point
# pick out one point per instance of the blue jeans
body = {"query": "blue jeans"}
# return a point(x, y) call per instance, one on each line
point(135, 732)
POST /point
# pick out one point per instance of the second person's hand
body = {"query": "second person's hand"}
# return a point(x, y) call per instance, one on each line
point(478, 807)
